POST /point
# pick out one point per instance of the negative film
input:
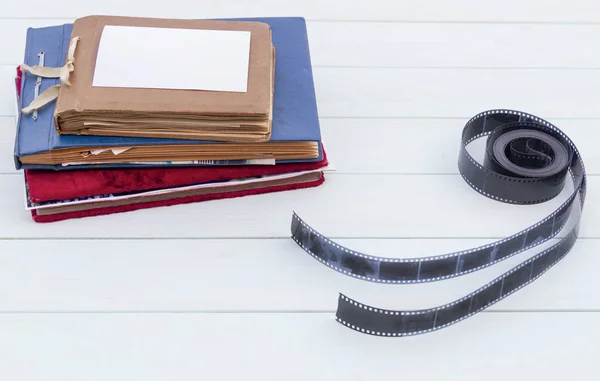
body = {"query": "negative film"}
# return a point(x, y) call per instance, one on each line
point(527, 160)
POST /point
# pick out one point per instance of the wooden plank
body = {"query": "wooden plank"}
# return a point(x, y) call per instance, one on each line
point(100, 347)
point(392, 44)
point(8, 105)
point(257, 275)
point(376, 10)
point(413, 146)
point(389, 206)
point(7, 144)
point(454, 45)
point(440, 93)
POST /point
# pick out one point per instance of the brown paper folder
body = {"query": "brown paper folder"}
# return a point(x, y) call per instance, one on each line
point(245, 116)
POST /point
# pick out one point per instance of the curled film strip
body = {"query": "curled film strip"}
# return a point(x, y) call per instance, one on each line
point(526, 161)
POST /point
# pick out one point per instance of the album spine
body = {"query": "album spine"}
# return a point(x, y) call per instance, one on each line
point(19, 85)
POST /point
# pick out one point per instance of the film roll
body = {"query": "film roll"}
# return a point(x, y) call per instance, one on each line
point(526, 161)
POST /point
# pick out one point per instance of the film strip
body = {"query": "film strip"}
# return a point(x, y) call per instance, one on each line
point(527, 161)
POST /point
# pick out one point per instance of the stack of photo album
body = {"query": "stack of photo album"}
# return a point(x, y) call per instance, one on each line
point(116, 114)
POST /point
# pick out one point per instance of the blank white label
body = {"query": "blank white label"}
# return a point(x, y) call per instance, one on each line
point(165, 58)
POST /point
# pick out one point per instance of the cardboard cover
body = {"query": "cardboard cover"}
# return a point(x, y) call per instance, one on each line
point(161, 112)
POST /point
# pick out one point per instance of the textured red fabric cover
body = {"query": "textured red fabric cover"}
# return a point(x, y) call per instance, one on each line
point(61, 185)
point(18, 81)
point(178, 201)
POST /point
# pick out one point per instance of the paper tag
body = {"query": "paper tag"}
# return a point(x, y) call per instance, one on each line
point(115, 151)
point(165, 58)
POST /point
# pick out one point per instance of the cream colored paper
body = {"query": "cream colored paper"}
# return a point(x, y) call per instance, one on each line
point(173, 58)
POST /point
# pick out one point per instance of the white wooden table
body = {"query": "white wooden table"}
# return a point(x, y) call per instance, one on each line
point(218, 290)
